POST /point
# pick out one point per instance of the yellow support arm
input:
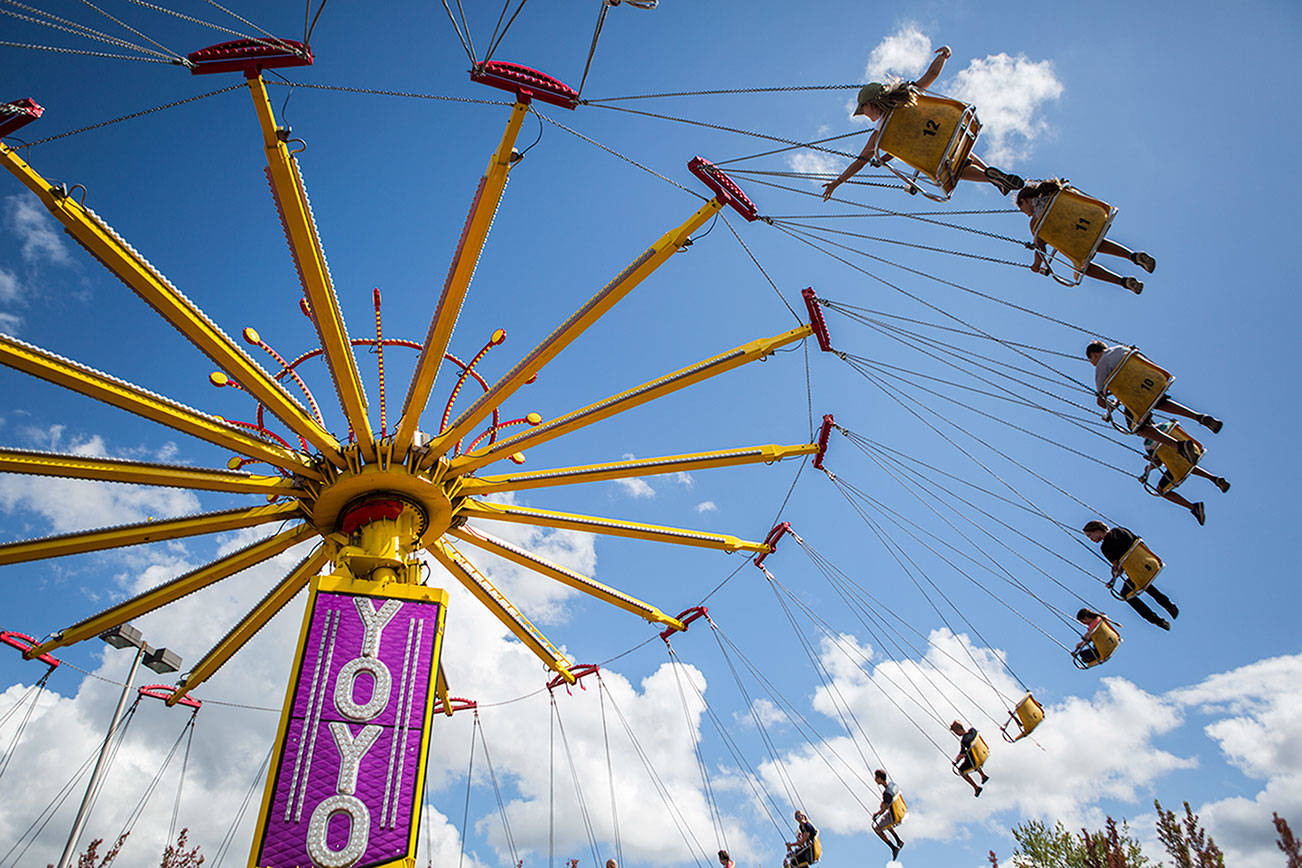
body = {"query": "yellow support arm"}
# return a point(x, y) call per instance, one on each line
point(627, 400)
point(143, 473)
point(300, 229)
point(169, 592)
point(614, 527)
point(144, 532)
point(441, 691)
point(637, 467)
point(482, 210)
point(251, 623)
point(86, 227)
point(577, 581)
point(506, 612)
point(582, 319)
point(125, 396)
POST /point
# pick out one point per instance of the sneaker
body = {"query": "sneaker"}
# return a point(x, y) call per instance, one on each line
point(1174, 610)
point(1222, 483)
point(895, 852)
point(1211, 423)
point(977, 792)
point(1133, 284)
point(1188, 450)
point(1164, 624)
point(1199, 511)
point(1006, 182)
point(1144, 261)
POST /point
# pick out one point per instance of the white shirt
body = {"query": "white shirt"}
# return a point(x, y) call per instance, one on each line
point(1109, 362)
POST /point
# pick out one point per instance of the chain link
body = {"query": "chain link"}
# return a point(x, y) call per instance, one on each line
point(803, 87)
point(134, 115)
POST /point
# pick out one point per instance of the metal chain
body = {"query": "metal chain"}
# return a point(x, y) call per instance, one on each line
point(910, 244)
point(378, 92)
point(133, 115)
point(79, 30)
point(61, 50)
point(615, 153)
point(791, 88)
point(154, 42)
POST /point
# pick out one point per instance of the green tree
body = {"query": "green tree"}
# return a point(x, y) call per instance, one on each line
point(1039, 846)
point(1186, 840)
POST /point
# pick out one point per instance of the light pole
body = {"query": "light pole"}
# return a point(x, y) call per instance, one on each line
point(158, 659)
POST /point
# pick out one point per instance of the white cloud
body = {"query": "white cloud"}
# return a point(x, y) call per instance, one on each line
point(684, 479)
point(635, 487)
point(10, 291)
point(707, 506)
point(814, 163)
point(10, 323)
point(37, 231)
point(1008, 93)
point(903, 54)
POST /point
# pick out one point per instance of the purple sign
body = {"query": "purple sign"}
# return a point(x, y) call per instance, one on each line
point(345, 783)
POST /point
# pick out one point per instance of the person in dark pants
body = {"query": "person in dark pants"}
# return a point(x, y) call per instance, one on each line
point(1115, 542)
point(801, 851)
point(965, 762)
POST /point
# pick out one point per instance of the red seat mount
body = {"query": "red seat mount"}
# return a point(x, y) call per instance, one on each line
point(249, 56)
point(527, 84)
point(723, 187)
point(17, 114)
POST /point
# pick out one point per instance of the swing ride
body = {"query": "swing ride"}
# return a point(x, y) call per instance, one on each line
point(386, 505)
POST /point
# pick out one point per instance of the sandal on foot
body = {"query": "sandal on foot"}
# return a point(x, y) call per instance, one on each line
point(1003, 180)
point(1144, 261)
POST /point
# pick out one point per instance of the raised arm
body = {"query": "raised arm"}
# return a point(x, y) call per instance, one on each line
point(933, 71)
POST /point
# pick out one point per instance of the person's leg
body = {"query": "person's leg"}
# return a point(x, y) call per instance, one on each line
point(967, 776)
point(1112, 248)
point(1178, 499)
point(1204, 419)
point(1220, 481)
point(1146, 613)
point(976, 170)
point(1163, 600)
point(1098, 272)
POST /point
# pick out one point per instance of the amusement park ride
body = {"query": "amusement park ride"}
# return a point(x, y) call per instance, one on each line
point(366, 678)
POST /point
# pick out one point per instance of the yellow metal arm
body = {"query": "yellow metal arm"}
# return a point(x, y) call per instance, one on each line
point(251, 623)
point(577, 581)
point(143, 473)
point(637, 530)
point(148, 531)
point(441, 690)
point(627, 400)
point(582, 319)
point(123, 395)
point(475, 582)
point(482, 210)
point(86, 227)
point(637, 467)
point(300, 228)
point(177, 588)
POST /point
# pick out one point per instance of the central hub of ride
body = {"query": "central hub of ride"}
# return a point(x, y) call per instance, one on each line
point(380, 517)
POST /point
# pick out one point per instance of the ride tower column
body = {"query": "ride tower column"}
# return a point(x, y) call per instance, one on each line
point(348, 766)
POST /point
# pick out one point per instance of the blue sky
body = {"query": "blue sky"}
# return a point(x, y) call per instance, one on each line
point(1173, 113)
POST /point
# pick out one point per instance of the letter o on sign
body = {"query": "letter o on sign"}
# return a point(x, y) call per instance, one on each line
point(359, 832)
point(348, 679)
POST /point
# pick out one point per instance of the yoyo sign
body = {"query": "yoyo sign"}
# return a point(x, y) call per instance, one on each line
point(344, 785)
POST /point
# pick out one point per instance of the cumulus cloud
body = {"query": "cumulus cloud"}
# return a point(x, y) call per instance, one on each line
point(903, 54)
point(10, 290)
point(684, 479)
point(1009, 94)
point(707, 506)
point(814, 163)
point(10, 323)
point(36, 231)
point(636, 487)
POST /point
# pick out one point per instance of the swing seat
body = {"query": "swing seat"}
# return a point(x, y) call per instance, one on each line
point(977, 754)
point(1177, 466)
point(934, 137)
point(1139, 385)
point(1074, 225)
point(1105, 639)
point(1028, 713)
point(1141, 567)
point(898, 812)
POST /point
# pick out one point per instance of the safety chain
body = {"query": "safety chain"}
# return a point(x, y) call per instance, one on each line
point(378, 92)
point(614, 153)
point(804, 87)
point(62, 50)
point(135, 115)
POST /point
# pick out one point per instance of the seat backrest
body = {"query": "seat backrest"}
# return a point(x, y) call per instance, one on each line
point(1029, 713)
point(818, 848)
point(1139, 384)
point(923, 135)
point(898, 809)
point(1105, 638)
point(1140, 565)
point(1177, 466)
point(1074, 224)
point(979, 752)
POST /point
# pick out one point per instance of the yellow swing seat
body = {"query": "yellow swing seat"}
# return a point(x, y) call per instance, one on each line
point(934, 137)
point(898, 811)
point(1177, 466)
point(978, 753)
point(1105, 639)
point(1028, 713)
point(1140, 385)
point(1074, 225)
point(1141, 567)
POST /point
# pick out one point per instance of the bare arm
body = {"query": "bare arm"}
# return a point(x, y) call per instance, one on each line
point(933, 71)
point(851, 170)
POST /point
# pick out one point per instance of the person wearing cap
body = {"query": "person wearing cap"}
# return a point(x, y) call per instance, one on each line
point(876, 100)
